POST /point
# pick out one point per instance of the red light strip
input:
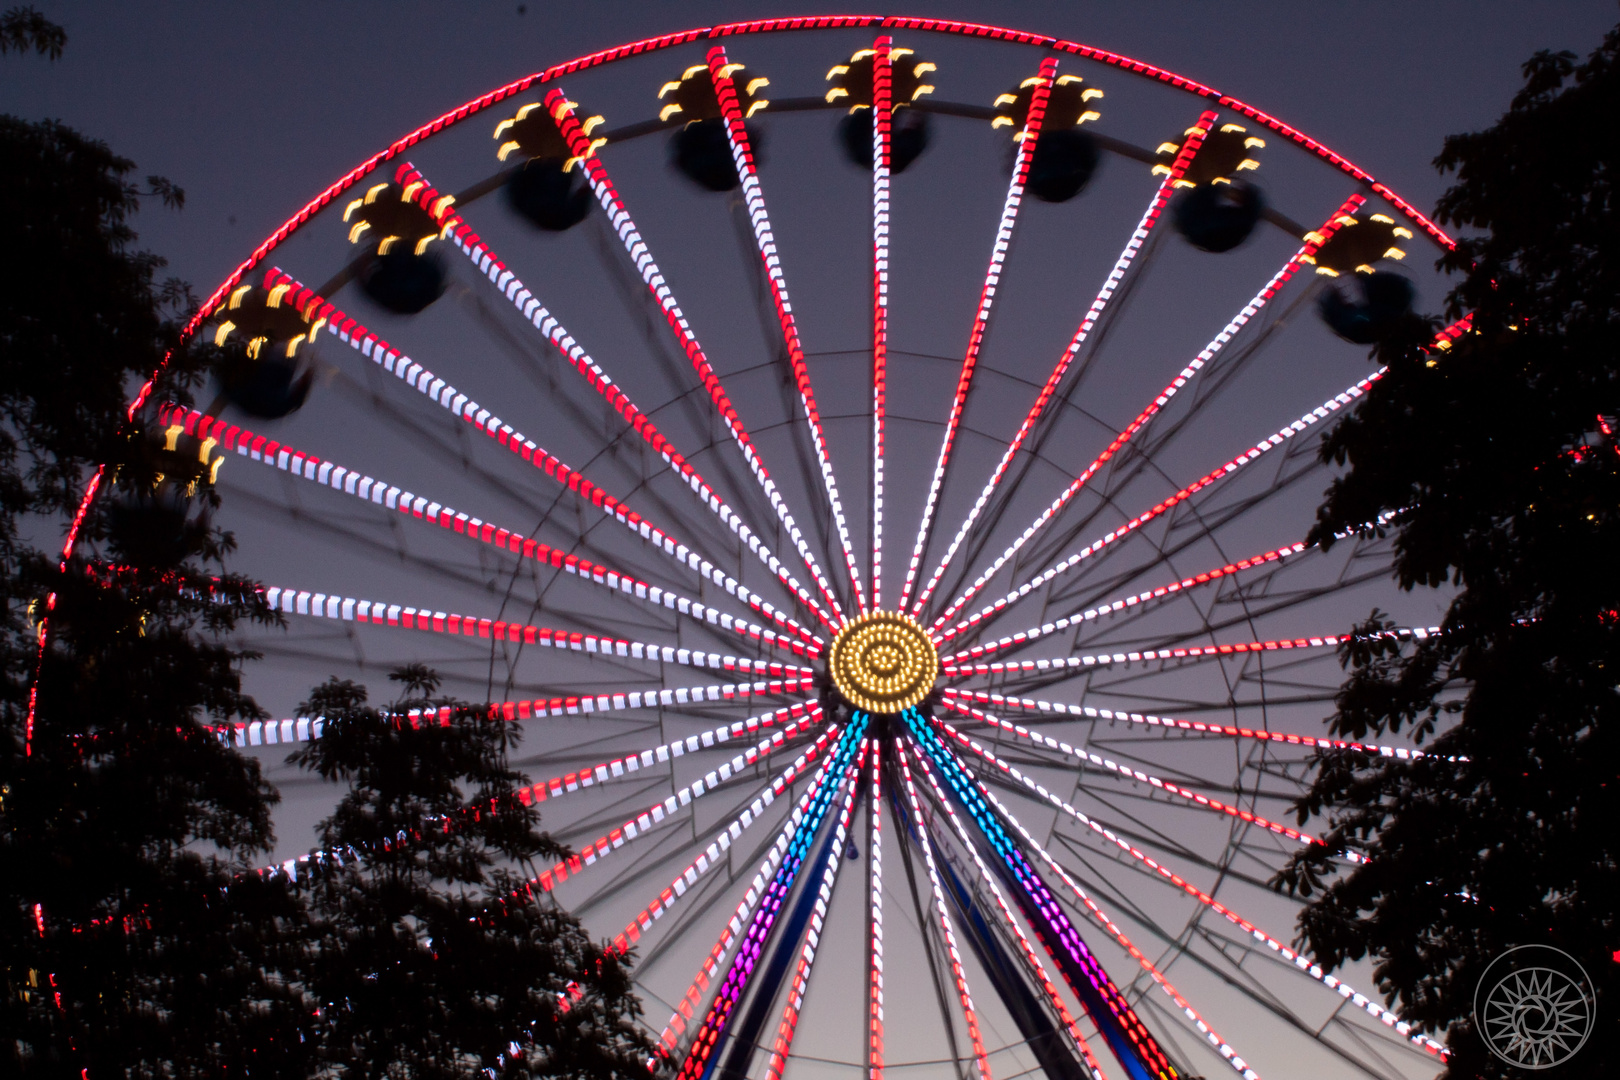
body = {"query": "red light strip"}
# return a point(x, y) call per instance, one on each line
point(882, 131)
point(1025, 636)
point(741, 918)
point(1221, 1046)
point(765, 240)
point(1241, 319)
point(1345, 991)
point(1316, 415)
point(381, 493)
point(347, 609)
point(981, 1059)
point(562, 111)
point(1090, 713)
point(1037, 968)
point(1150, 218)
point(502, 277)
point(874, 855)
point(783, 1046)
point(424, 381)
point(1117, 769)
point(667, 809)
point(987, 294)
point(1190, 652)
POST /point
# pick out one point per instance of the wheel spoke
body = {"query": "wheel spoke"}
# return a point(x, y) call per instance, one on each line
point(920, 829)
point(562, 111)
point(485, 258)
point(775, 895)
point(987, 879)
point(765, 241)
point(874, 862)
point(1282, 436)
point(1282, 951)
point(448, 397)
point(1128, 603)
point(783, 1045)
point(1161, 197)
point(1253, 307)
point(1025, 154)
point(379, 613)
point(1090, 712)
point(1221, 1046)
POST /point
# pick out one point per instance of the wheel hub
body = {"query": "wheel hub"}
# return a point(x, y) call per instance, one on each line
point(883, 662)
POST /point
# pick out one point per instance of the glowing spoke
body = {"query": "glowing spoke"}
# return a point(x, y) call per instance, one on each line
point(754, 196)
point(1161, 197)
point(562, 111)
point(1288, 955)
point(1015, 668)
point(753, 943)
point(659, 812)
point(980, 1058)
point(1305, 254)
point(1025, 636)
point(348, 609)
point(381, 493)
point(874, 855)
point(1221, 1046)
point(1037, 967)
point(459, 404)
point(694, 994)
point(882, 122)
point(484, 257)
point(807, 952)
point(1049, 743)
point(1088, 712)
point(1304, 423)
point(981, 318)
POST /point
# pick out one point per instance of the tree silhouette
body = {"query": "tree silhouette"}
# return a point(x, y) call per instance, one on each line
point(428, 959)
point(1498, 458)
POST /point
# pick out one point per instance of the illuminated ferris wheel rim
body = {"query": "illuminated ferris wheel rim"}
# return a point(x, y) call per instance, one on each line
point(882, 684)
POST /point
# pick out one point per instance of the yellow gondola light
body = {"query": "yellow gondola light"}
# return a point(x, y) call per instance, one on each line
point(223, 332)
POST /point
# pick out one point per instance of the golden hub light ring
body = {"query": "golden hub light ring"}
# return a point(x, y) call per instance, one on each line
point(883, 662)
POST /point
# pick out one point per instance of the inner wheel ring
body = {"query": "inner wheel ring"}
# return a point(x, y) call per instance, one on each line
point(883, 662)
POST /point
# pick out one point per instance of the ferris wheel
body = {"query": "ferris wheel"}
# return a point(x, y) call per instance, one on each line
point(872, 460)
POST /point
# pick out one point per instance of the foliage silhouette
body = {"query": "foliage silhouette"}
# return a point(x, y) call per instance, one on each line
point(1499, 460)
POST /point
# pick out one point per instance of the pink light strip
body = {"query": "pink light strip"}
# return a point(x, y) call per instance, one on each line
point(381, 493)
point(562, 111)
point(765, 240)
point(882, 128)
point(783, 1046)
point(1241, 319)
point(1221, 1046)
point(1112, 607)
point(981, 318)
point(348, 609)
point(490, 264)
point(424, 381)
point(1089, 712)
point(740, 919)
point(1343, 989)
point(1038, 968)
point(1156, 206)
point(1315, 416)
point(874, 855)
point(981, 1059)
